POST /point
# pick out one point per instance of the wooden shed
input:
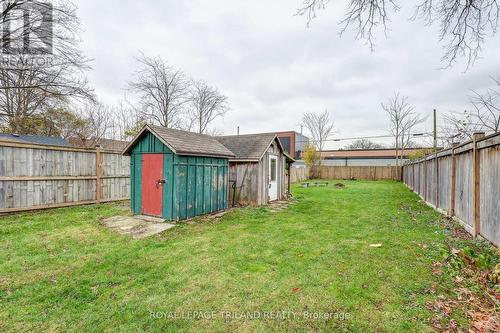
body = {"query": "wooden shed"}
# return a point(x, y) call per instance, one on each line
point(177, 174)
point(259, 170)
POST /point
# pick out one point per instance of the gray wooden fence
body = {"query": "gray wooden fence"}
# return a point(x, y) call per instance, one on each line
point(299, 174)
point(38, 177)
point(463, 182)
point(347, 172)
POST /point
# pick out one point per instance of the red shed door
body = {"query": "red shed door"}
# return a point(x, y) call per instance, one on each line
point(152, 185)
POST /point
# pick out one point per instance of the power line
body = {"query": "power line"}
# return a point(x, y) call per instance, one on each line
point(425, 134)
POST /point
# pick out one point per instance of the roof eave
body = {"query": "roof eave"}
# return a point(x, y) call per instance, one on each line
point(183, 153)
point(139, 136)
point(270, 142)
point(289, 158)
point(244, 160)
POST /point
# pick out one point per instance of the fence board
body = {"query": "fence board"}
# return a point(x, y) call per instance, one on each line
point(463, 188)
point(490, 193)
point(38, 177)
point(444, 183)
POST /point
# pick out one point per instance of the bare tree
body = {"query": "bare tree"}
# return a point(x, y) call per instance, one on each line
point(320, 127)
point(486, 108)
point(32, 83)
point(456, 128)
point(403, 119)
point(363, 144)
point(484, 116)
point(99, 120)
point(206, 105)
point(163, 92)
point(463, 24)
point(408, 125)
point(127, 122)
point(214, 131)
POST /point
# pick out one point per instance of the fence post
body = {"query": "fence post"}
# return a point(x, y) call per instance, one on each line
point(98, 171)
point(476, 184)
point(437, 180)
point(453, 180)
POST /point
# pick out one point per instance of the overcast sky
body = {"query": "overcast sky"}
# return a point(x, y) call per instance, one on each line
point(273, 68)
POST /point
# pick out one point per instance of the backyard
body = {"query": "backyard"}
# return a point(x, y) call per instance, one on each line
point(369, 256)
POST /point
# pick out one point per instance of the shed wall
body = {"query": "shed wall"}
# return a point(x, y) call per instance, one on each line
point(252, 178)
point(273, 150)
point(194, 185)
point(246, 176)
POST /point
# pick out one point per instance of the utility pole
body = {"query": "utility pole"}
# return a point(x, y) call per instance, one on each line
point(435, 130)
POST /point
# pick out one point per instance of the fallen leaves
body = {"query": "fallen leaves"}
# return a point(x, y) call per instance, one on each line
point(480, 307)
point(437, 268)
point(483, 322)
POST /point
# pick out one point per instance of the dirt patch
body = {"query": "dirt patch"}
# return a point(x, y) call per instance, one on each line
point(208, 218)
point(278, 206)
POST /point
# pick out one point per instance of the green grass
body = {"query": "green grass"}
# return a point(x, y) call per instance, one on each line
point(60, 270)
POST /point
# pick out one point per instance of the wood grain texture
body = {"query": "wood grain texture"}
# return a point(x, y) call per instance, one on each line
point(463, 188)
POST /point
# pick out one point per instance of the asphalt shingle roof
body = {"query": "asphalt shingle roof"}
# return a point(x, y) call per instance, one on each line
point(249, 147)
point(36, 139)
point(189, 143)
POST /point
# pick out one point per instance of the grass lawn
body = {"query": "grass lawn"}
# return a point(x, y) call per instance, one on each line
point(60, 270)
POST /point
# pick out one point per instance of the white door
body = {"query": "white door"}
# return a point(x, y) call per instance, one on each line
point(273, 178)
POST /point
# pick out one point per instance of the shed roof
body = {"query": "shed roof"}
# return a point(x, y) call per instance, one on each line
point(250, 147)
point(36, 139)
point(183, 142)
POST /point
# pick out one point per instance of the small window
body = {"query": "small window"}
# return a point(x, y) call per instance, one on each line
point(273, 170)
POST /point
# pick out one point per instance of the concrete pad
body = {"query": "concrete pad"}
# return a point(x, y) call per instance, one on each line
point(150, 218)
point(137, 227)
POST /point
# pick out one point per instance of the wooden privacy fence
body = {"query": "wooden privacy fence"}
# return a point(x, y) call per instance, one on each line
point(348, 172)
point(299, 174)
point(464, 182)
point(38, 177)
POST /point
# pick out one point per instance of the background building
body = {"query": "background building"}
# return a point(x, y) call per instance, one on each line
point(366, 157)
point(294, 143)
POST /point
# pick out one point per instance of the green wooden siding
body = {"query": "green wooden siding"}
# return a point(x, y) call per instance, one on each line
point(194, 185)
point(168, 188)
point(136, 183)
